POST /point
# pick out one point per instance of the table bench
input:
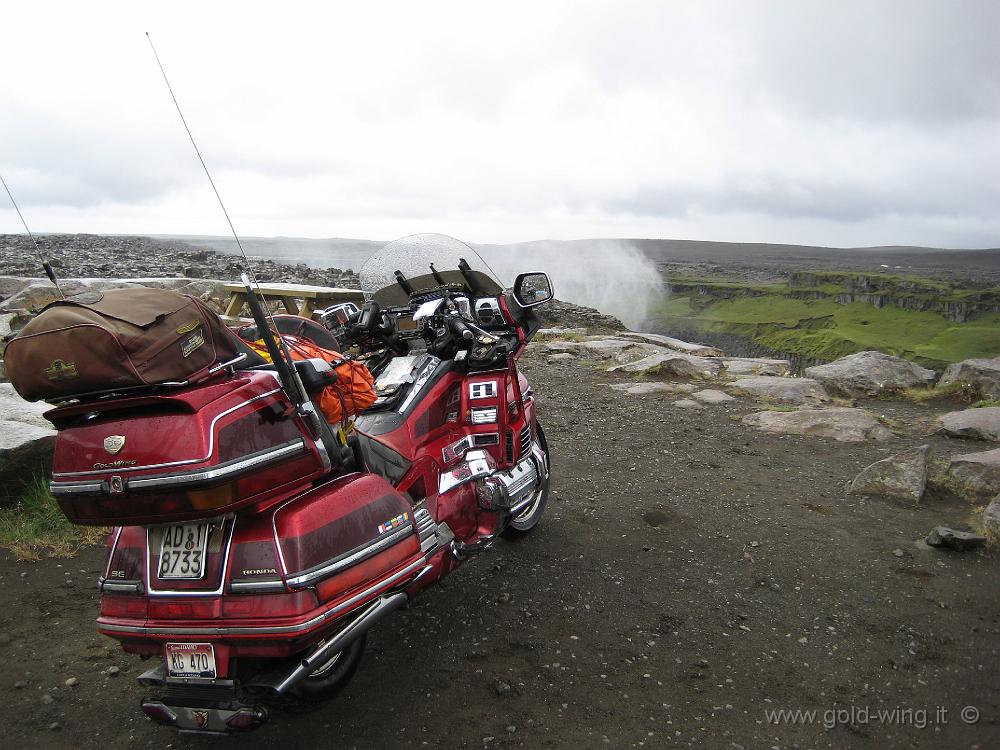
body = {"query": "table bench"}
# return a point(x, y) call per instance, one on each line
point(297, 299)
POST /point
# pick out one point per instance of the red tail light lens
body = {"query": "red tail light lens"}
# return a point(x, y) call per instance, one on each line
point(246, 718)
point(159, 713)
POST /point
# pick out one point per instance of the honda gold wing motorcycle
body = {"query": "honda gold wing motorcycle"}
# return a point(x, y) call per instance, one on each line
point(254, 543)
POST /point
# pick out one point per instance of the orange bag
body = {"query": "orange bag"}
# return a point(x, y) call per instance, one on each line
point(354, 390)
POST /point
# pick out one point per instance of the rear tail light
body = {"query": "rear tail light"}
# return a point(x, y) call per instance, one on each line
point(247, 718)
point(159, 713)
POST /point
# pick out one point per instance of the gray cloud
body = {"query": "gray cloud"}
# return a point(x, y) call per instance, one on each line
point(859, 122)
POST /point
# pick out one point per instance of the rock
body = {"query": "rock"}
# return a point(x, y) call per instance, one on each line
point(651, 387)
point(686, 403)
point(24, 449)
point(903, 475)
point(960, 541)
point(843, 424)
point(673, 363)
point(869, 374)
point(501, 688)
point(558, 332)
point(991, 519)
point(560, 357)
point(72, 682)
point(708, 396)
point(698, 350)
point(112, 671)
point(26, 438)
point(561, 347)
point(48, 699)
point(757, 366)
point(11, 285)
point(7, 323)
point(982, 375)
point(977, 424)
point(15, 409)
point(33, 297)
point(898, 552)
point(976, 475)
point(621, 350)
point(793, 390)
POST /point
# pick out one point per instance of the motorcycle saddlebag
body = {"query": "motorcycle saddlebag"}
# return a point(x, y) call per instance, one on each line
point(119, 338)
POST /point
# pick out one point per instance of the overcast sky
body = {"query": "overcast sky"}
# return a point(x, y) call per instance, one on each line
point(834, 123)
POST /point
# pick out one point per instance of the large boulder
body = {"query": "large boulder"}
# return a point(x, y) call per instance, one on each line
point(11, 285)
point(710, 396)
point(977, 424)
point(650, 387)
point(991, 519)
point(559, 332)
point(673, 363)
point(757, 366)
point(698, 350)
point(840, 423)
point(975, 475)
point(620, 349)
point(981, 375)
point(903, 476)
point(792, 390)
point(869, 374)
point(960, 541)
point(26, 437)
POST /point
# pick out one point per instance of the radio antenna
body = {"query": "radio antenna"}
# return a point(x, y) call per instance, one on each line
point(38, 251)
point(276, 345)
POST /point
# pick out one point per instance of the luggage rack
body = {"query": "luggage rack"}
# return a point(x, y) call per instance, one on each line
point(133, 389)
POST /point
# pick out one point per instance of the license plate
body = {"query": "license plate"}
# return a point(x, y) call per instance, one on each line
point(190, 660)
point(182, 553)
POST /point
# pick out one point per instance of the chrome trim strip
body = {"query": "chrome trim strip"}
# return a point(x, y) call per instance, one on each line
point(257, 587)
point(77, 488)
point(121, 587)
point(355, 556)
point(300, 627)
point(211, 446)
point(189, 592)
point(114, 548)
point(219, 472)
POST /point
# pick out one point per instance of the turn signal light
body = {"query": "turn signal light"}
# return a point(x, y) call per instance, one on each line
point(213, 498)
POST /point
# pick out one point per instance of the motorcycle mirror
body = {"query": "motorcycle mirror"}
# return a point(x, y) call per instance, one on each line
point(532, 289)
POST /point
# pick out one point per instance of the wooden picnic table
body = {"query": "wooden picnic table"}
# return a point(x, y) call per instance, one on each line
point(312, 297)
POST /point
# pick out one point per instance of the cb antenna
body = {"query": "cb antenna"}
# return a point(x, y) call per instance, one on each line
point(276, 346)
point(38, 251)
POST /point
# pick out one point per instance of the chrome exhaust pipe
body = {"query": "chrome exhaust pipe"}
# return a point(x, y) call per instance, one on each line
point(353, 630)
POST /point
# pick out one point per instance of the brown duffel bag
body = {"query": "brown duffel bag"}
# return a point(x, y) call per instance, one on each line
point(120, 338)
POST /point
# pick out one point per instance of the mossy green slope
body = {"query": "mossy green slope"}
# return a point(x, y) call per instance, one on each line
point(819, 327)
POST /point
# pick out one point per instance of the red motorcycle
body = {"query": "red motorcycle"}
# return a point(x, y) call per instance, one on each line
point(254, 543)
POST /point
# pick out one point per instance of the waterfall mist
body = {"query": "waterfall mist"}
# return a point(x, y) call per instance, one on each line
point(612, 276)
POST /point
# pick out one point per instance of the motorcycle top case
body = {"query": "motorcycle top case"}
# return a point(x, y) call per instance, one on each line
point(119, 338)
point(192, 453)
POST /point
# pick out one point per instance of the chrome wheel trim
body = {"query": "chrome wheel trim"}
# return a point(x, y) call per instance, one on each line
point(526, 514)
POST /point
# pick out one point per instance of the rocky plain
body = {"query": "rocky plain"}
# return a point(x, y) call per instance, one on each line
point(733, 557)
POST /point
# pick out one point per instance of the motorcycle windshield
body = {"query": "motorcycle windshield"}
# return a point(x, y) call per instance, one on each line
point(412, 257)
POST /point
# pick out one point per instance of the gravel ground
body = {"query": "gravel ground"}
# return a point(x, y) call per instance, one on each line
point(690, 576)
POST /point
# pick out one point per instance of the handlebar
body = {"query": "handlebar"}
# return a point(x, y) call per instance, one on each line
point(459, 328)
